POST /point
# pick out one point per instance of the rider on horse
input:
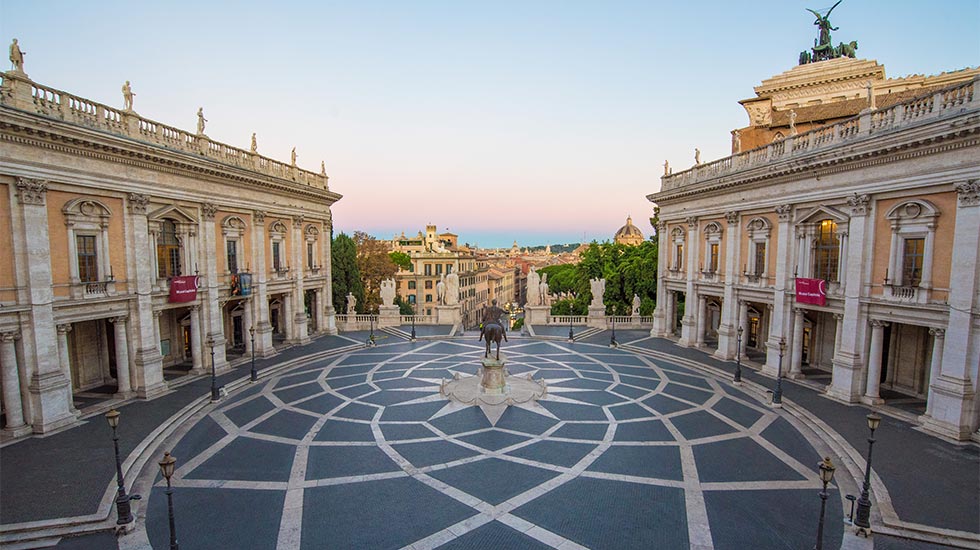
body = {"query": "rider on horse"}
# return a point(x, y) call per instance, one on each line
point(492, 316)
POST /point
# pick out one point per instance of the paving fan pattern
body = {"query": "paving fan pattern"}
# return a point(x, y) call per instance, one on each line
point(363, 452)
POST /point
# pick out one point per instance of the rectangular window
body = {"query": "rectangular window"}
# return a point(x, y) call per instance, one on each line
point(428, 285)
point(449, 268)
point(827, 251)
point(438, 269)
point(232, 249)
point(276, 260)
point(411, 285)
point(309, 256)
point(411, 299)
point(912, 261)
point(713, 258)
point(428, 269)
point(760, 259)
point(88, 270)
point(428, 297)
point(679, 257)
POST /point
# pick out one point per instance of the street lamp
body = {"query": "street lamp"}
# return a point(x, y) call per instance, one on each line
point(251, 335)
point(826, 476)
point(414, 308)
point(863, 519)
point(371, 320)
point(777, 394)
point(612, 336)
point(215, 396)
point(738, 357)
point(167, 469)
point(123, 513)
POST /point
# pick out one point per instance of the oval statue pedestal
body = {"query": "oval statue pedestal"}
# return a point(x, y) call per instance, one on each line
point(493, 390)
point(494, 378)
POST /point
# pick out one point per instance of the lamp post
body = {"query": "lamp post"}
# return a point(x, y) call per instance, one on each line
point(863, 518)
point(777, 394)
point(571, 335)
point(612, 336)
point(414, 307)
point(371, 320)
point(738, 357)
point(251, 335)
point(826, 475)
point(123, 513)
point(167, 469)
point(215, 396)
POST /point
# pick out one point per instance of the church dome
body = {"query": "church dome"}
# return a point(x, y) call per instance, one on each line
point(629, 234)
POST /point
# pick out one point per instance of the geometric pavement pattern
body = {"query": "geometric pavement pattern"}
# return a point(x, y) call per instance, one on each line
point(361, 451)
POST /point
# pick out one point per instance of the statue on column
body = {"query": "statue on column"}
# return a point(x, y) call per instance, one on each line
point(452, 289)
point(200, 121)
point(351, 303)
point(16, 57)
point(441, 291)
point(388, 292)
point(598, 291)
point(545, 291)
point(128, 94)
point(636, 305)
point(533, 288)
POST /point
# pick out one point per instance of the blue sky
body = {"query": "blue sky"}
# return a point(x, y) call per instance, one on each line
point(541, 121)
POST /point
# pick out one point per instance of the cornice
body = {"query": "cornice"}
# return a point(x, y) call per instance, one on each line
point(21, 128)
point(844, 158)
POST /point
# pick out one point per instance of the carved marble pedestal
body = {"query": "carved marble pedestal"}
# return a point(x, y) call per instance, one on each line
point(493, 389)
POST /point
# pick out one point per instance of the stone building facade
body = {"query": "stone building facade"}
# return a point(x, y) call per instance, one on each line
point(880, 212)
point(103, 214)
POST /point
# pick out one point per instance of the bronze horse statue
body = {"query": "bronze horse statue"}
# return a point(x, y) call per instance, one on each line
point(492, 332)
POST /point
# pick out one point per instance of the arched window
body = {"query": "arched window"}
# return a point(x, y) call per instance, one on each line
point(168, 250)
point(827, 250)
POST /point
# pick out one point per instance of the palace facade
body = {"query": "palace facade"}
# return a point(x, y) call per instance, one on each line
point(839, 248)
point(133, 252)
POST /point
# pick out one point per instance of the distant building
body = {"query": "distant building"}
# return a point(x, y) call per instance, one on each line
point(629, 234)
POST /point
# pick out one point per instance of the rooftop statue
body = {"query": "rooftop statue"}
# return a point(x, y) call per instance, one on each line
point(16, 56)
point(255, 145)
point(823, 48)
point(128, 94)
point(200, 121)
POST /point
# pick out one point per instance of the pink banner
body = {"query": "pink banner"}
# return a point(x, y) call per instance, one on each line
point(811, 291)
point(183, 289)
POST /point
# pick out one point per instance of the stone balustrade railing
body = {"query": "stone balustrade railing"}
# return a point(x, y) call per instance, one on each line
point(566, 319)
point(419, 319)
point(19, 92)
point(946, 102)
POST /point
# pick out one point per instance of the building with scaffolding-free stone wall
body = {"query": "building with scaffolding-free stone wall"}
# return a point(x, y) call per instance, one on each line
point(879, 212)
point(102, 213)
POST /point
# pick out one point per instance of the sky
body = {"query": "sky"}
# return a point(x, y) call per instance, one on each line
point(536, 121)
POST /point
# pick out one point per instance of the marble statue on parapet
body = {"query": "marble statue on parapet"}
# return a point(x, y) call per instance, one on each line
point(737, 141)
point(545, 291)
point(666, 168)
point(200, 121)
point(871, 95)
point(16, 57)
point(452, 289)
point(388, 292)
point(697, 156)
point(533, 288)
point(323, 168)
point(351, 303)
point(128, 95)
point(441, 291)
point(292, 157)
point(636, 305)
point(792, 122)
point(598, 291)
point(255, 144)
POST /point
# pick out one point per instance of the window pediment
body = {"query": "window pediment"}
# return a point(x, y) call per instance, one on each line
point(824, 212)
point(173, 212)
point(913, 211)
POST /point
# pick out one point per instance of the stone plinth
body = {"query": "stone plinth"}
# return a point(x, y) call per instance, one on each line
point(389, 316)
point(449, 315)
point(597, 316)
point(536, 315)
point(493, 379)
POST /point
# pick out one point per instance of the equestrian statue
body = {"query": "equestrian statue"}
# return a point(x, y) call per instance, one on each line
point(493, 328)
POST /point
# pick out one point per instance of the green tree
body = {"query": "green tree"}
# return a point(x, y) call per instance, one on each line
point(375, 265)
point(401, 259)
point(404, 308)
point(346, 275)
point(628, 271)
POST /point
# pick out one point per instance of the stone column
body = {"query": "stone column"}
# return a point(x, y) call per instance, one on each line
point(701, 319)
point(197, 367)
point(287, 315)
point(796, 364)
point(783, 284)
point(954, 411)
point(743, 317)
point(122, 358)
point(300, 332)
point(263, 328)
point(10, 379)
point(319, 311)
point(211, 307)
point(689, 322)
point(838, 330)
point(147, 378)
point(936, 365)
point(729, 305)
point(32, 263)
point(846, 383)
point(64, 359)
point(871, 395)
point(328, 307)
point(661, 328)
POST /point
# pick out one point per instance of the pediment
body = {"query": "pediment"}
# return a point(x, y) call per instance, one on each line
point(824, 212)
point(173, 212)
